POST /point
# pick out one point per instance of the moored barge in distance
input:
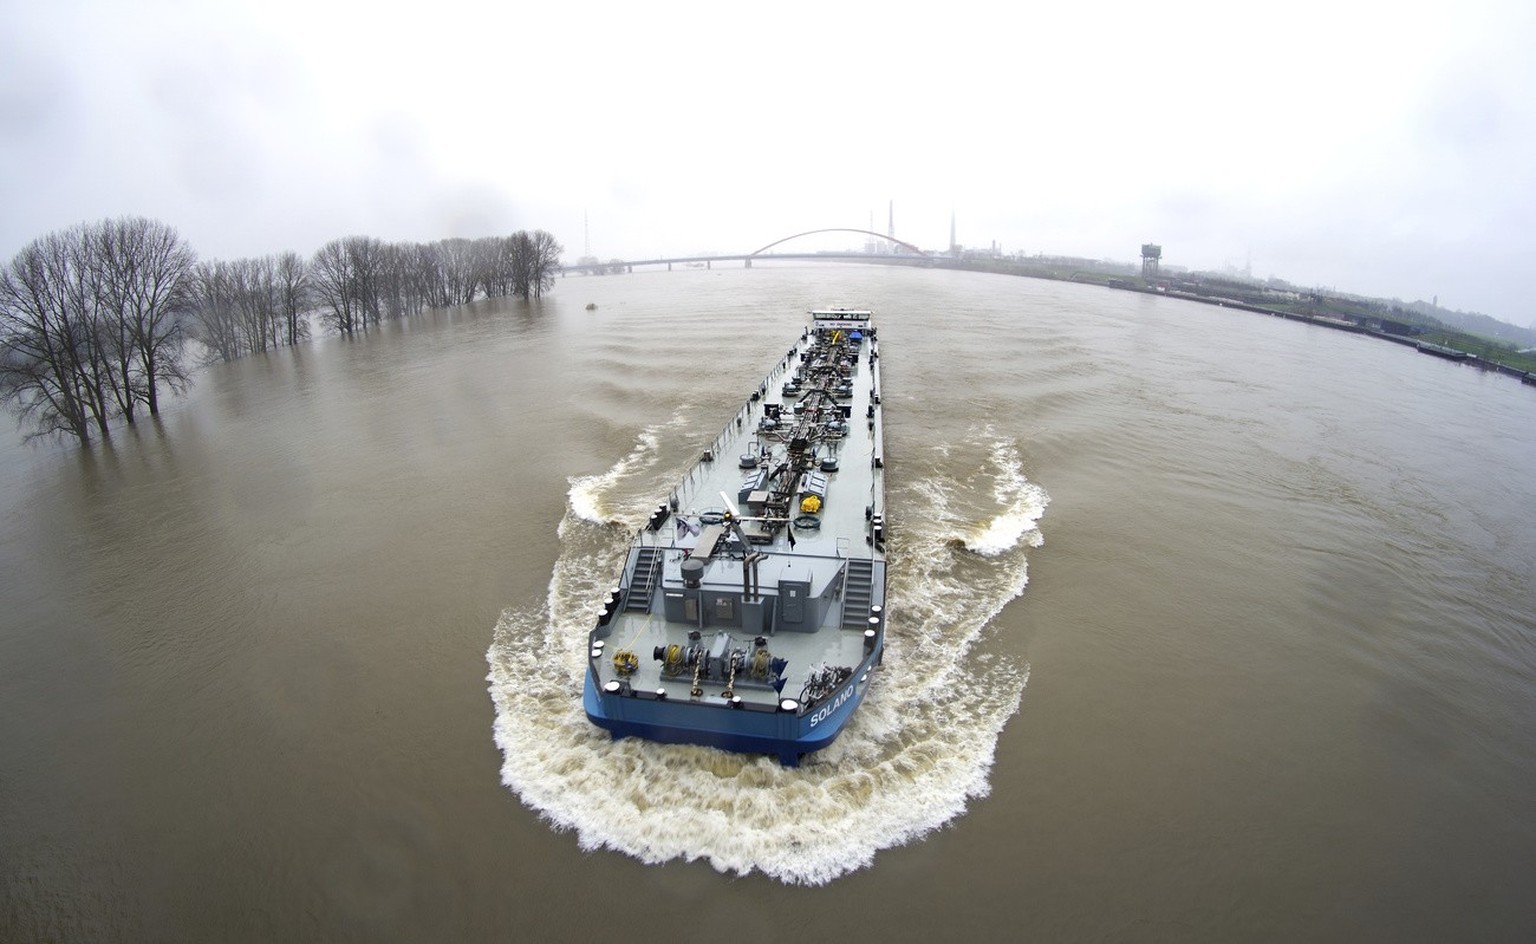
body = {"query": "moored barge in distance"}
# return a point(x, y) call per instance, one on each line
point(749, 614)
point(1440, 350)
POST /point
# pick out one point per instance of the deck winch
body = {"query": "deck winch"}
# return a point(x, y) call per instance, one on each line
point(721, 661)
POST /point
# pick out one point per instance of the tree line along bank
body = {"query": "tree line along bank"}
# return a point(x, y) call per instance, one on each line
point(98, 320)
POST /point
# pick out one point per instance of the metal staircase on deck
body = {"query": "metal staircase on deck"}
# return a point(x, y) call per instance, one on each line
point(643, 584)
point(857, 587)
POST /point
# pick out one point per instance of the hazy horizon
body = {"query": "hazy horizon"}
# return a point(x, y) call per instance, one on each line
point(1367, 148)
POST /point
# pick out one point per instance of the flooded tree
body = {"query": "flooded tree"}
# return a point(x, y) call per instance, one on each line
point(460, 265)
point(214, 310)
point(42, 334)
point(293, 292)
point(359, 280)
point(335, 286)
point(350, 277)
point(144, 266)
point(248, 305)
point(89, 326)
point(534, 262)
point(94, 319)
point(369, 261)
point(544, 263)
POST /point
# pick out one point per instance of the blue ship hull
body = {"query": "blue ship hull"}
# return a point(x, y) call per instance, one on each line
point(787, 736)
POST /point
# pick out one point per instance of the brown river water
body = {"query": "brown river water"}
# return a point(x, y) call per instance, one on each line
point(1205, 626)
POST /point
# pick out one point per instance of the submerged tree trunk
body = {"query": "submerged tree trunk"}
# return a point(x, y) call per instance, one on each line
point(88, 327)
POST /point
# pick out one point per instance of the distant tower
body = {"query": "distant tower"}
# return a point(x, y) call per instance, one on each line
point(890, 220)
point(586, 235)
point(1150, 254)
point(954, 250)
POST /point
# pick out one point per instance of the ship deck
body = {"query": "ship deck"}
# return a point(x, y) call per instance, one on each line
point(818, 560)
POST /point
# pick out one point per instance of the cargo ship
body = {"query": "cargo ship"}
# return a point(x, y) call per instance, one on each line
point(749, 613)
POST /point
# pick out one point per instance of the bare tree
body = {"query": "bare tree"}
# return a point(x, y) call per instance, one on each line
point(490, 266)
point(75, 271)
point(534, 261)
point(250, 305)
point(367, 257)
point(89, 326)
point(293, 296)
point(143, 266)
point(544, 262)
point(424, 275)
point(519, 263)
point(334, 282)
point(40, 336)
point(214, 312)
point(458, 260)
point(256, 300)
point(93, 319)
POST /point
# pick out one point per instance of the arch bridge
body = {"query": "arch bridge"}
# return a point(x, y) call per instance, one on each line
point(842, 229)
point(902, 252)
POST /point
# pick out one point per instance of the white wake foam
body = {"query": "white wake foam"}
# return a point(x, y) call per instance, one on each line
point(588, 494)
point(916, 753)
point(1020, 505)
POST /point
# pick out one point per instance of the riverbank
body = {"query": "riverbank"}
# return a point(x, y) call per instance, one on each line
point(1448, 351)
point(1337, 313)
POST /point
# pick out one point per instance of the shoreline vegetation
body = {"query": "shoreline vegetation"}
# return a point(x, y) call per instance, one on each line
point(96, 320)
point(1388, 320)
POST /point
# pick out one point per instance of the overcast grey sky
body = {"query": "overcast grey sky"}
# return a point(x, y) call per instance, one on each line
point(1386, 148)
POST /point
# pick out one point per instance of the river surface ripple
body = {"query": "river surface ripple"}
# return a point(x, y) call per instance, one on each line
point(1208, 626)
